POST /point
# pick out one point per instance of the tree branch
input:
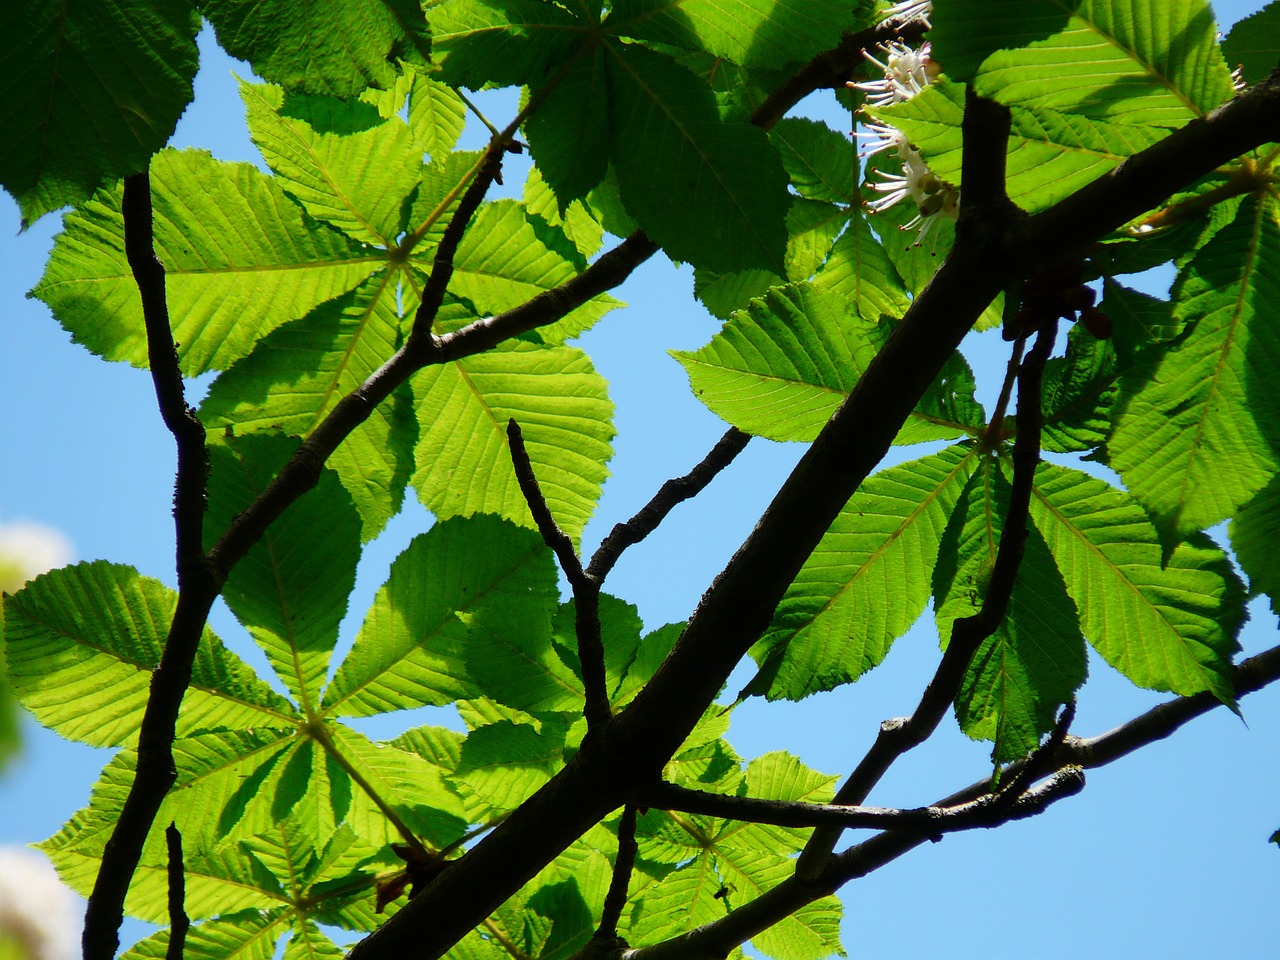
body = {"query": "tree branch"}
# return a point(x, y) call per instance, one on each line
point(586, 589)
point(179, 923)
point(196, 591)
point(739, 604)
point(615, 901)
point(713, 941)
point(671, 494)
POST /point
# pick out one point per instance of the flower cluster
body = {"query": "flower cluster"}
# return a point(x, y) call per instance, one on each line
point(38, 914)
point(905, 72)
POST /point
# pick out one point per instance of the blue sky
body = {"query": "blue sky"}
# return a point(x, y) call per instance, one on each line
point(1163, 855)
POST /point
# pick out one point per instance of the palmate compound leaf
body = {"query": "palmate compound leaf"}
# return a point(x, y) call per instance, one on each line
point(780, 368)
point(680, 166)
point(866, 582)
point(464, 583)
point(333, 49)
point(750, 32)
point(563, 410)
point(240, 259)
point(1130, 62)
point(290, 590)
point(298, 372)
point(90, 91)
point(1165, 622)
point(1035, 660)
point(1199, 433)
point(81, 643)
point(340, 159)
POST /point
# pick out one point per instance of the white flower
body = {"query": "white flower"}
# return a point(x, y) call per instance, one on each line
point(883, 137)
point(908, 10)
point(28, 550)
point(39, 916)
point(906, 73)
point(933, 197)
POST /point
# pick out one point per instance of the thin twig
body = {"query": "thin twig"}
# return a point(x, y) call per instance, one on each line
point(179, 923)
point(586, 589)
point(672, 493)
point(442, 261)
point(615, 901)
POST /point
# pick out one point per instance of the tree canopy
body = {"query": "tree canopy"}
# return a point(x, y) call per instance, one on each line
point(374, 327)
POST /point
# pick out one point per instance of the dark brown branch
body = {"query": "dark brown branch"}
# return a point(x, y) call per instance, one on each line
point(155, 771)
point(898, 736)
point(931, 822)
point(442, 261)
point(586, 589)
point(715, 940)
point(166, 376)
point(179, 923)
point(671, 494)
point(615, 901)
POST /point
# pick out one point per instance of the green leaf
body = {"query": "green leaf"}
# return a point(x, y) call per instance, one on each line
point(465, 579)
point(1199, 434)
point(308, 942)
point(680, 902)
point(574, 220)
point(809, 933)
point(291, 589)
point(463, 408)
point(966, 32)
point(1115, 59)
point(1079, 394)
point(780, 368)
point(821, 163)
point(1035, 660)
point(297, 374)
point(345, 164)
point(569, 131)
point(421, 793)
point(865, 583)
point(331, 49)
point(1255, 531)
point(507, 257)
point(240, 259)
point(750, 32)
point(724, 294)
point(812, 227)
point(90, 91)
point(774, 776)
point(681, 170)
point(437, 115)
point(501, 42)
point(1051, 152)
point(1254, 43)
point(247, 935)
point(859, 271)
point(81, 643)
point(1166, 623)
point(505, 763)
point(1140, 320)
